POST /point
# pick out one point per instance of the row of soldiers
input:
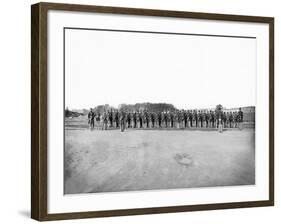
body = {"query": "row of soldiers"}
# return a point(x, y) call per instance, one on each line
point(166, 119)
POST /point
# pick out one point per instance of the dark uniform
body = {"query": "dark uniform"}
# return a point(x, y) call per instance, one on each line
point(140, 117)
point(152, 118)
point(159, 118)
point(195, 117)
point(135, 119)
point(230, 119)
point(207, 119)
point(104, 121)
point(235, 119)
point(165, 118)
point(224, 119)
point(146, 118)
point(203, 118)
point(116, 118)
point(91, 119)
point(190, 115)
point(185, 119)
point(122, 121)
point(172, 117)
point(179, 119)
point(129, 119)
point(110, 118)
point(200, 118)
point(240, 119)
point(212, 119)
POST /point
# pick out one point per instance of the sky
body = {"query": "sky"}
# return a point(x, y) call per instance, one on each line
point(105, 67)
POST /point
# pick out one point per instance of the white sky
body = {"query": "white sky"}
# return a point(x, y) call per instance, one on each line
point(187, 71)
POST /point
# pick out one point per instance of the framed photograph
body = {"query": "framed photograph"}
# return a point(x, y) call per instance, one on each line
point(142, 111)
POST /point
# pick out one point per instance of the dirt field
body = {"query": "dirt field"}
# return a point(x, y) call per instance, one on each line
point(106, 161)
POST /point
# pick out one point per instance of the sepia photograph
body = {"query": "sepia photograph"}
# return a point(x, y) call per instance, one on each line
point(150, 110)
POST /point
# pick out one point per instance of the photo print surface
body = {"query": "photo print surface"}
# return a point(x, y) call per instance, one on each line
point(157, 110)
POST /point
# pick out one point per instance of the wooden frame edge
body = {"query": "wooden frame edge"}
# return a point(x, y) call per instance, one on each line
point(39, 110)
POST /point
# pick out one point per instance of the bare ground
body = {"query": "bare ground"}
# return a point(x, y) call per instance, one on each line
point(111, 161)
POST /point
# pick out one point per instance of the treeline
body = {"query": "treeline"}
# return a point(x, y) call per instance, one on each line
point(156, 107)
point(69, 113)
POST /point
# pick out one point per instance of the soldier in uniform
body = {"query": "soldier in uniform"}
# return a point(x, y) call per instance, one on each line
point(230, 119)
point(152, 117)
point(207, 119)
point(190, 118)
point(200, 118)
point(165, 118)
point(195, 117)
point(116, 118)
point(240, 119)
point(179, 119)
point(227, 119)
point(122, 120)
point(140, 117)
point(159, 118)
point(146, 118)
point(212, 120)
point(110, 118)
point(91, 119)
point(235, 119)
point(185, 118)
point(104, 120)
point(128, 119)
point(224, 119)
point(204, 118)
point(172, 117)
point(219, 120)
point(135, 119)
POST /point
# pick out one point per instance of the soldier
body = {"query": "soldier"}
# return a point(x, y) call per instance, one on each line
point(104, 120)
point(165, 118)
point(146, 118)
point(190, 118)
point(122, 120)
point(195, 117)
point(224, 119)
point(227, 119)
point(140, 117)
point(128, 119)
point(235, 117)
point(204, 118)
point(116, 118)
point(110, 118)
point(91, 119)
point(207, 119)
point(240, 119)
point(185, 118)
point(172, 117)
point(230, 119)
point(152, 117)
point(212, 119)
point(159, 118)
point(200, 118)
point(179, 119)
point(135, 119)
point(219, 120)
